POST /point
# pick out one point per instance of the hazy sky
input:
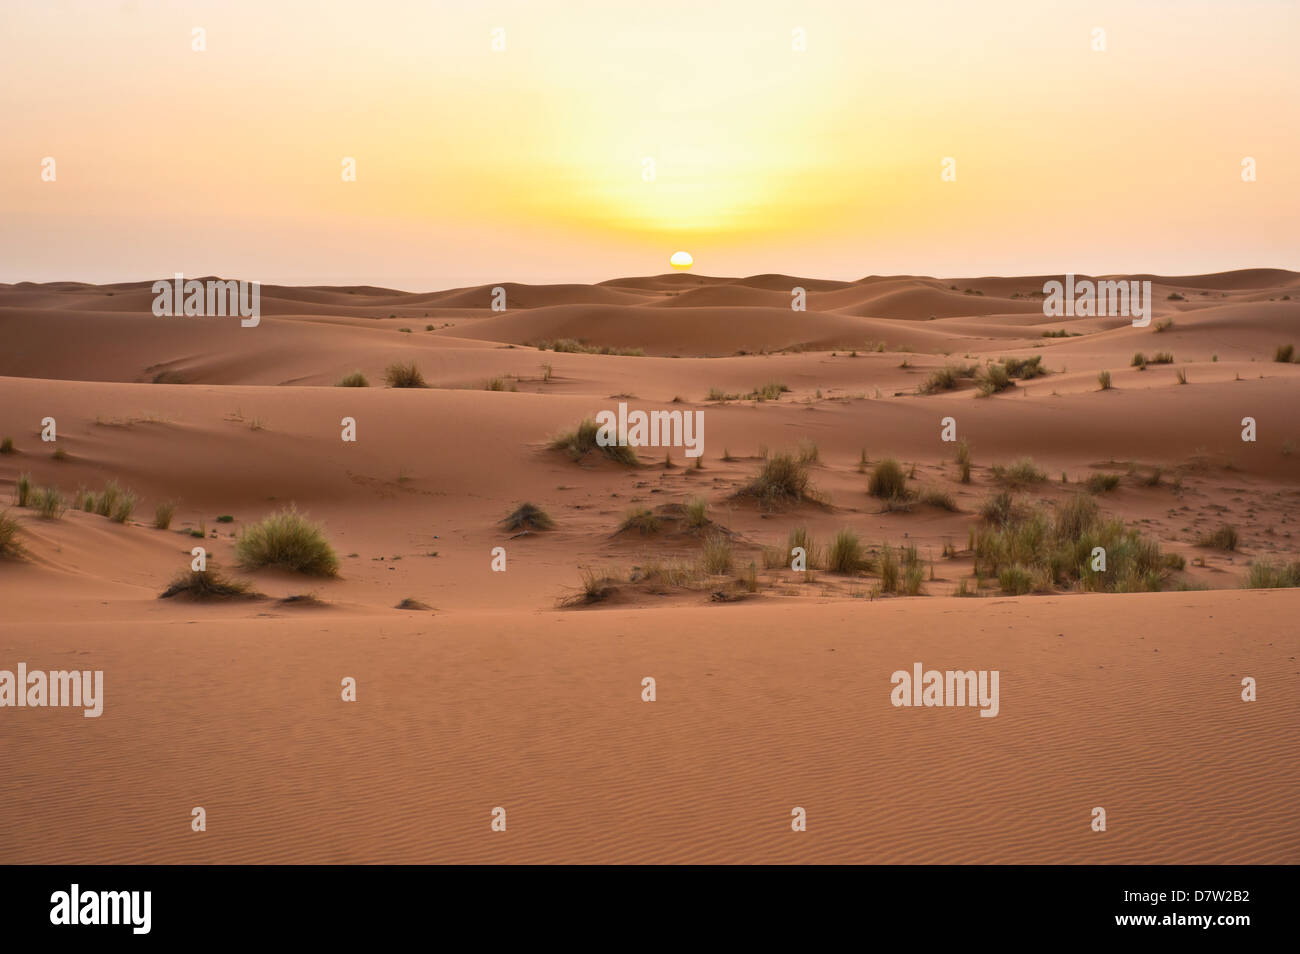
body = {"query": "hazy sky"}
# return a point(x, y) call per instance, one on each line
point(527, 164)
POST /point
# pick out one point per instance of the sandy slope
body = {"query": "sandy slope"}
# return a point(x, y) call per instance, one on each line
point(496, 696)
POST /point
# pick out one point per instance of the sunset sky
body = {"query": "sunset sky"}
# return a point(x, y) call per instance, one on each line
point(526, 165)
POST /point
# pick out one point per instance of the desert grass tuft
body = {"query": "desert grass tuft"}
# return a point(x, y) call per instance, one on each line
point(1266, 575)
point(207, 585)
point(845, 553)
point(527, 517)
point(23, 490)
point(716, 557)
point(288, 540)
point(354, 380)
point(963, 462)
point(9, 545)
point(1224, 538)
point(1103, 379)
point(782, 480)
point(49, 503)
point(1020, 473)
point(163, 513)
point(887, 481)
point(640, 519)
point(404, 376)
point(697, 513)
point(582, 441)
point(1101, 483)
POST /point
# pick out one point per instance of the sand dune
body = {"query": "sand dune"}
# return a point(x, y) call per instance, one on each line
point(499, 694)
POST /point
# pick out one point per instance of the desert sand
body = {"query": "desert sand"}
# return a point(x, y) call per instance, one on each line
point(510, 689)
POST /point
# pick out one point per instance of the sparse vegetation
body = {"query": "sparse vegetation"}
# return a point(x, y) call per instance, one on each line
point(1101, 483)
point(581, 442)
point(716, 558)
point(1032, 550)
point(963, 461)
point(1224, 538)
point(782, 480)
point(935, 497)
point(1103, 379)
point(1181, 375)
point(1025, 369)
point(572, 346)
point(207, 585)
point(48, 503)
point(946, 378)
point(771, 391)
point(23, 490)
point(887, 481)
point(1019, 473)
point(1284, 353)
point(288, 540)
point(697, 513)
point(640, 519)
point(1266, 575)
point(404, 376)
point(528, 517)
point(500, 384)
point(845, 553)
point(354, 380)
point(163, 513)
point(9, 545)
point(7, 445)
point(993, 378)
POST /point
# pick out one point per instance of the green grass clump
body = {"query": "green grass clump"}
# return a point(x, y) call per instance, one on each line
point(9, 545)
point(23, 490)
point(1265, 575)
point(354, 380)
point(888, 569)
point(1224, 538)
point(527, 517)
point(581, 442)
point(288, 540)
point(1019, 473)
point(715, 558)
point(845, 553)
point(782, 480)
point(771, 391)
point(163, 513)
point(887, 481)
point(1056, 549)
point(963, 462)
point(1025, 368)
point(946, 378)
point(697, 513)
point(404, 376)
point(640, 519)
point(1101, 483)
point(936, 497)
point(993, 378)
point(49, 503)
point(123, 507)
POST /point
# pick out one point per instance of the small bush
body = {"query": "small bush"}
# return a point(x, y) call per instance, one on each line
point(404, 376)
point(782, 480)
point(963, 462)
point(992, 379)
point(888, 481)
point(49, 503)
point(123, 507)
point(946, 378)
point(1015, 580)
point(207, 585)
point(9, 545)
point(1224, 538)
point(1139, 361)
point(1020, 473)
point(1024, 368)
point(1284, 353)
point(354, 380)
point(582, 441)
point(999, 509)
point(527, 517)
point(1102, 483)
point(715, 558)
point(289, 540)
point(163, 513)
point(1162, 357)
point(1265, 575)
point(697, 513)
point(7, 446)
point(845, 553)
point(500, 384)
point(771, 391)
point(640, 519)
point(938, 498)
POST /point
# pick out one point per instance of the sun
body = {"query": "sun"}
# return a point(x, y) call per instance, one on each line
point(681, 260)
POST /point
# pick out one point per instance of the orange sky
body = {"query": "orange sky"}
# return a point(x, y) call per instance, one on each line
point(526, 164)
